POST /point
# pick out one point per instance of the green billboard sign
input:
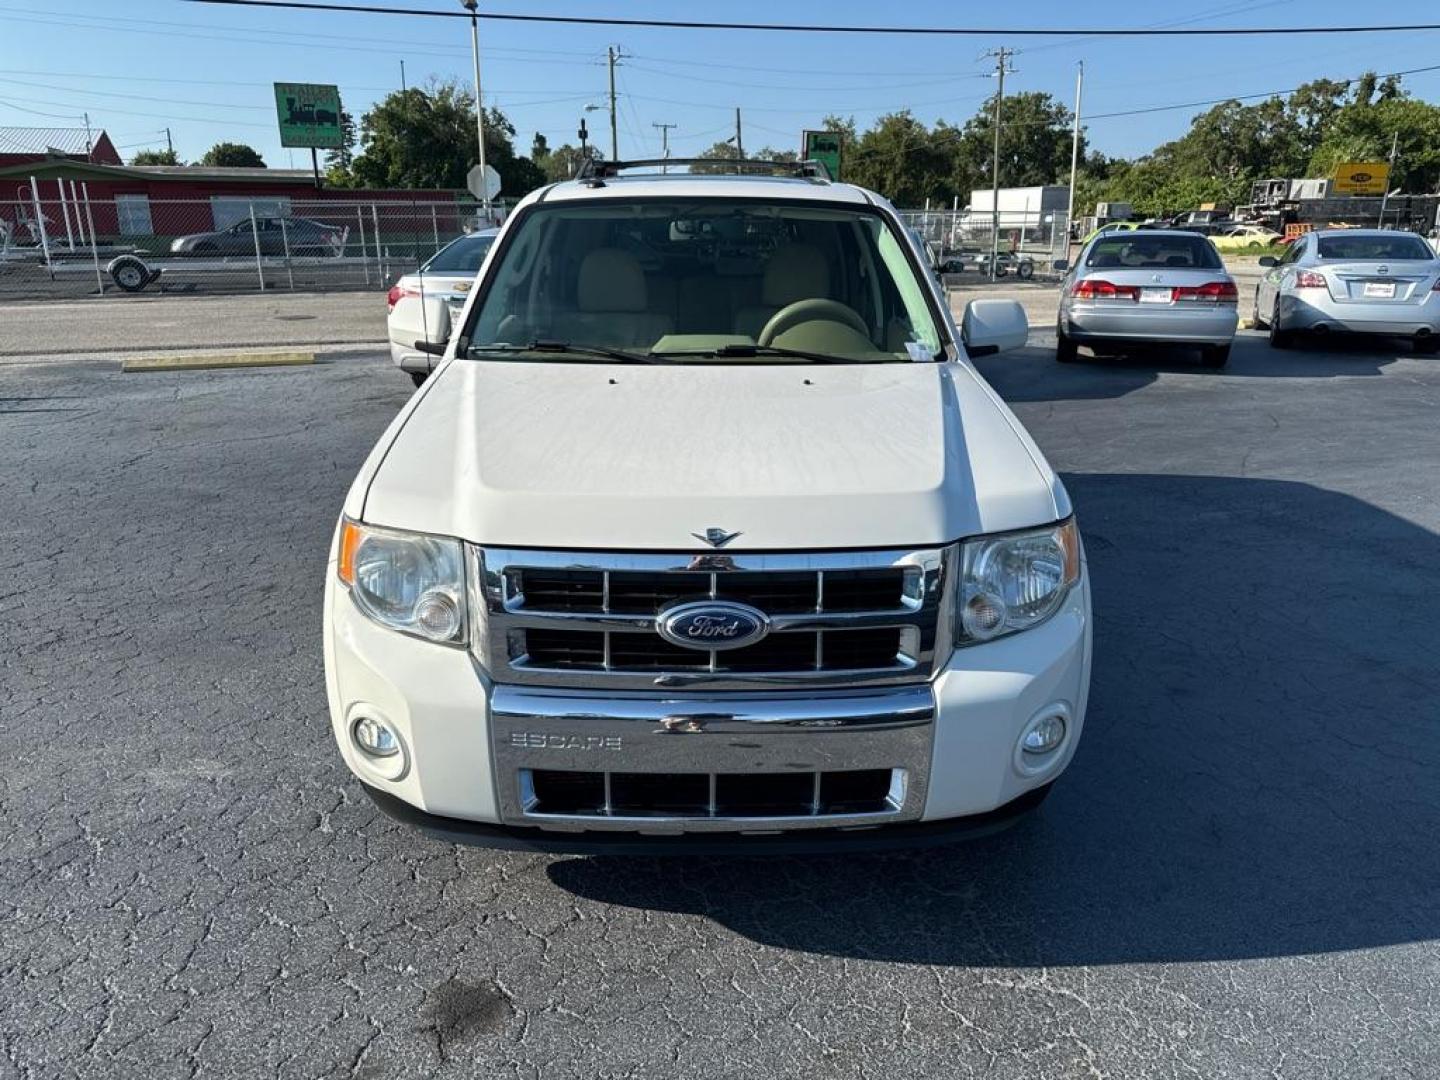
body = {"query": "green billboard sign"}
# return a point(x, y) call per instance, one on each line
point(824, 147)
point(309, 115)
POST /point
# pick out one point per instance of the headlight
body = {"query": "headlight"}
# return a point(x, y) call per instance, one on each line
point(406, 581)
point(1015, 581)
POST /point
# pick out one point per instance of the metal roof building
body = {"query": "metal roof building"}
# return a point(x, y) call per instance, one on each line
point(21, 145)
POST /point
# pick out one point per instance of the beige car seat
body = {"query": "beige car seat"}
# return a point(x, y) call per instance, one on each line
point(794, 272)
point(612, 304)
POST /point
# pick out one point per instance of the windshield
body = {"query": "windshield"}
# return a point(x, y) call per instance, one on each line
point(1136, 250)
point(707, 278)
point(1373, 248)
point(462, 256)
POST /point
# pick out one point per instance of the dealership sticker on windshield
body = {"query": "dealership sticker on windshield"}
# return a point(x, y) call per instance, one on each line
point(919, 352)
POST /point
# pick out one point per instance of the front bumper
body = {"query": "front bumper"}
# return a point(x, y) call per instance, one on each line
point(952, 742)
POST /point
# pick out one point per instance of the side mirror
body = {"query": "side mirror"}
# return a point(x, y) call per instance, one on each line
point(993, 326)
point(1061, 264)
point(1269, 260)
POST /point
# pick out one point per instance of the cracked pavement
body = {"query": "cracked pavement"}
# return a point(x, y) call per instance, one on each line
point(1238, 877)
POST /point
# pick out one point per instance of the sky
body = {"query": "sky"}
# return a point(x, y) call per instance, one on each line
point(204, 72)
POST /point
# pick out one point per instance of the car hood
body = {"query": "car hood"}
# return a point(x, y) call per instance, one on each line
point(567, 455)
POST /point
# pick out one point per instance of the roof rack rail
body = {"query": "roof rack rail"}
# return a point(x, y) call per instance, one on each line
point(597, 172)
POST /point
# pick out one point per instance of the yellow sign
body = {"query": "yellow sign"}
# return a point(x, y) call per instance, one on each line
point(1361, 178)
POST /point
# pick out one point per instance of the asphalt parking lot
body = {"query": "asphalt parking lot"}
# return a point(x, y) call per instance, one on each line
point(1237, 877)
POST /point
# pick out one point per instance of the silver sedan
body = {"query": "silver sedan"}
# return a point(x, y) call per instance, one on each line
point(1356, 281)
point(1151, 287)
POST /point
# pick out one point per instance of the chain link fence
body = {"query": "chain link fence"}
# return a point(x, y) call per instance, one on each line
point(62, 243)
point(961, 242)
point(59, 242)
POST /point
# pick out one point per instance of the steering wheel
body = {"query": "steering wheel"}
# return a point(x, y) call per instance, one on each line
point(815, 309)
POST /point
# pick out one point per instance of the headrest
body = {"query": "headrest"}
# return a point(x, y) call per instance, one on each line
point(610, 280)
point(795, 272)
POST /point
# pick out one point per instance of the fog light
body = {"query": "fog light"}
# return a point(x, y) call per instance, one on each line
point(375, 738)
point(1044, 735)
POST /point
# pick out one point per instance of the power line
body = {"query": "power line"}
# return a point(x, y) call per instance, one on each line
point(1159, 108)
point(287, 38)
point(805, 87)
point(816, 28)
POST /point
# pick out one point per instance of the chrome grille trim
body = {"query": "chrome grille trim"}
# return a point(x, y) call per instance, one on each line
point(881, 728)
point(501, 618)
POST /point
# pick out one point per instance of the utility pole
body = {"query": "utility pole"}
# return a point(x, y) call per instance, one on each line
point(739, 142)
point(472, 7)
point(1385, 199)
point(169, 145)
point(664, 141)
point(1002, 56)
point(403, 87)
point(1074, 156)
point(613, 54)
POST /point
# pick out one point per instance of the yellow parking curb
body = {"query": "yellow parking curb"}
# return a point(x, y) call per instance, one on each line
point(194, 361)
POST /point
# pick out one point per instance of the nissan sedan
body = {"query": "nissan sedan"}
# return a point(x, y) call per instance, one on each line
point(1356, 281)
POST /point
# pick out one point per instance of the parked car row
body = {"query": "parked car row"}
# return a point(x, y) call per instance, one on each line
point(1140, 288)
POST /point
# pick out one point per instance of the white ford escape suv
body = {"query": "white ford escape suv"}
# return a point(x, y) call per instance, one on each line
point(706, 535)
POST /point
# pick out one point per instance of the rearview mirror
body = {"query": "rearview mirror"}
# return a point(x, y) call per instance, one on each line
point(1269, 260)
point(993, 326)
point(1061, 264)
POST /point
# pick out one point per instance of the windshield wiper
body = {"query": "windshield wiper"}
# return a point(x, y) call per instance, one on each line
point(545, 346)
point(737, 350)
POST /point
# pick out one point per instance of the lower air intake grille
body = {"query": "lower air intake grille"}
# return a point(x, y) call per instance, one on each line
point(701, 795)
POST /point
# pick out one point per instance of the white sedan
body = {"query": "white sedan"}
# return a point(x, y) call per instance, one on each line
point(422, 303)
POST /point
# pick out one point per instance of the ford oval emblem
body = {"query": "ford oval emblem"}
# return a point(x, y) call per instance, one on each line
point(713, 624)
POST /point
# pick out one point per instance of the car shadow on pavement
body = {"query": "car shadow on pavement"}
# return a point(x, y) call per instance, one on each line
point(1032, 373)
point(1257, 776)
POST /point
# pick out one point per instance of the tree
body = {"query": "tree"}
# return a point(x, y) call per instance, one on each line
point(341, 158)
point(564, 162)
point(724, 150)
point(155, 157)
point(899, 158)
point(425, 138)
point(233, 156)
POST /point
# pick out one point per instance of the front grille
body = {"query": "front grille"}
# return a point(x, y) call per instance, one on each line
point(776, 592)
point(824, 650)
point(591, 619)
point(559, 792)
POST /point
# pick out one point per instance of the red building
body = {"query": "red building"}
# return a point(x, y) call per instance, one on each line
point(23, 145)
point(149, 204)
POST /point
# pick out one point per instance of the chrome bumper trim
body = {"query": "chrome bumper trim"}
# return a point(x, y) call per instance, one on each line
point(693, 733)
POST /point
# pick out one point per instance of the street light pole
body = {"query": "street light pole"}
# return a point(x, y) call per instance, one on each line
point(611, 55)
point(1001, 55)
point(1074, 157)
point(472, 6)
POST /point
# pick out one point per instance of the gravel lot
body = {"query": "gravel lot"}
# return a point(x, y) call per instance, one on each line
point(1237, 878)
